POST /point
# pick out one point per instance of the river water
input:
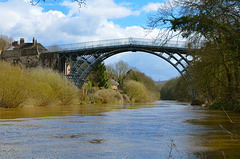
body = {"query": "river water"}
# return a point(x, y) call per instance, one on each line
point(164, 129)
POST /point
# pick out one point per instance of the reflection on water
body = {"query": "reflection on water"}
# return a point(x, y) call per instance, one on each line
point(71, 110)
point(165, 129)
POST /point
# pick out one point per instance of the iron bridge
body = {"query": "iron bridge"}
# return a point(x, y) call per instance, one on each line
point(76, 61)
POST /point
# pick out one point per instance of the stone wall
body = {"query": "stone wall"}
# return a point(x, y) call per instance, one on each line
point(31, 58)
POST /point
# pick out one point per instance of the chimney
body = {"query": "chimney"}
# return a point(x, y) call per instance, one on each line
point(21, 41)
point(15, 43)
point(34, 42)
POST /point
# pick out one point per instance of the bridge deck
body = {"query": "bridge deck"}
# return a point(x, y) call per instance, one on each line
point(130, 44)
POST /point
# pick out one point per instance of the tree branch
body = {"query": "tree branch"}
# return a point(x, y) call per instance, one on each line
point(36, 2)
point(229, 117)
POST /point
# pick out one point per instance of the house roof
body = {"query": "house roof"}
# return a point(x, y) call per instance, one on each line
point(41, 48)
point(113, 82)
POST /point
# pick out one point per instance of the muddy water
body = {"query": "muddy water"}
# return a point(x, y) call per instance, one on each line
point(164, 129)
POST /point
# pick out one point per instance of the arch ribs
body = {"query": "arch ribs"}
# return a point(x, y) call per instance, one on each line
point(78, 65)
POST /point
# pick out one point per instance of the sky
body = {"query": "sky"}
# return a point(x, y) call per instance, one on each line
point(63, 22)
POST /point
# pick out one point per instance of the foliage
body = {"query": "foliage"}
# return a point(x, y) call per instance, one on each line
point(40, 87)
point(167, 91)
point(5, 42)
point(175, 89)
point(212, 30)
point(118, 71)
point(137, 92)
point(50, 87)
point(103, 77)
point(99, 76)
point(123, 74)
point(226, 104)
point(14, 86)
point(143, 78)
point(108, 96)
point(85, 91)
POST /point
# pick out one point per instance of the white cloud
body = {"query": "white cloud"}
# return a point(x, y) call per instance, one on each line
point(20, 19)
point(94, 22)
point(153, 7)
point(106, 9)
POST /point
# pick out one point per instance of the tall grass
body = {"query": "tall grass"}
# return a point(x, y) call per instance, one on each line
point(40, 86)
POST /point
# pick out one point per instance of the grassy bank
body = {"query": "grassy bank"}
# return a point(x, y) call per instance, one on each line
point(20, 87)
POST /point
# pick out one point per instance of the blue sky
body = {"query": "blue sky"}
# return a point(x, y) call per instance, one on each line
point(63, 22)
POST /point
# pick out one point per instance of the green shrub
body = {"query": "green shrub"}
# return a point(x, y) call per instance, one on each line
point(50, 87)
point(38, 86)
point(136, 91)
point(42, 94)
point(108, 96)
point(14, 86)
point(176, 89)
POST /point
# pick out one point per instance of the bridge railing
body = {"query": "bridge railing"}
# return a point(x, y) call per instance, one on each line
point(113, 43)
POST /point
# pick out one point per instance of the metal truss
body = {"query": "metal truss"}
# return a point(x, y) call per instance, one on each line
point(80, 65)
point(76, 61)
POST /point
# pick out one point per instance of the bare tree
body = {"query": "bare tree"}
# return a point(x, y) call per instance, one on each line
point(118, 70)
point(80, 2)
point(5, 42)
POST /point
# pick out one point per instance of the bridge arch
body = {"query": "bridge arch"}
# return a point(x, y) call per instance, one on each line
point(82, 61)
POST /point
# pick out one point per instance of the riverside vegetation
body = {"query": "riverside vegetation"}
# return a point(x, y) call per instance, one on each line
point(211, 30)
point(40, 87)
point(134, 86)
point(19, 87)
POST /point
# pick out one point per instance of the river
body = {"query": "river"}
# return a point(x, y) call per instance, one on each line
point(164, 129)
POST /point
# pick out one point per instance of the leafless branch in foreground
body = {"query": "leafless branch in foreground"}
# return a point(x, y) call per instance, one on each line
point(229, 117)
point(173, 146)
point(225, 130)
point(224, 156)
point(36, 2)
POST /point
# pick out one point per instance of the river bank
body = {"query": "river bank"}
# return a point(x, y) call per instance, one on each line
point(43, 87)
point(39, 87)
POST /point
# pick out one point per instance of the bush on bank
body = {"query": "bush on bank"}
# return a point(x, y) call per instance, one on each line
point(108, 96)
point(137, 92)
point(50, 87)
point(104, 96)
point(20, 87)
point(40, 87)
point(14, 86)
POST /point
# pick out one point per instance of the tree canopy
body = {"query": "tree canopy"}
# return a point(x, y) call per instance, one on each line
point(99, 76)
point(212, 28)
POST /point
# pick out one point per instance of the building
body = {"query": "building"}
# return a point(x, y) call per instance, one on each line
point(30, 55)
point(114, 84)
